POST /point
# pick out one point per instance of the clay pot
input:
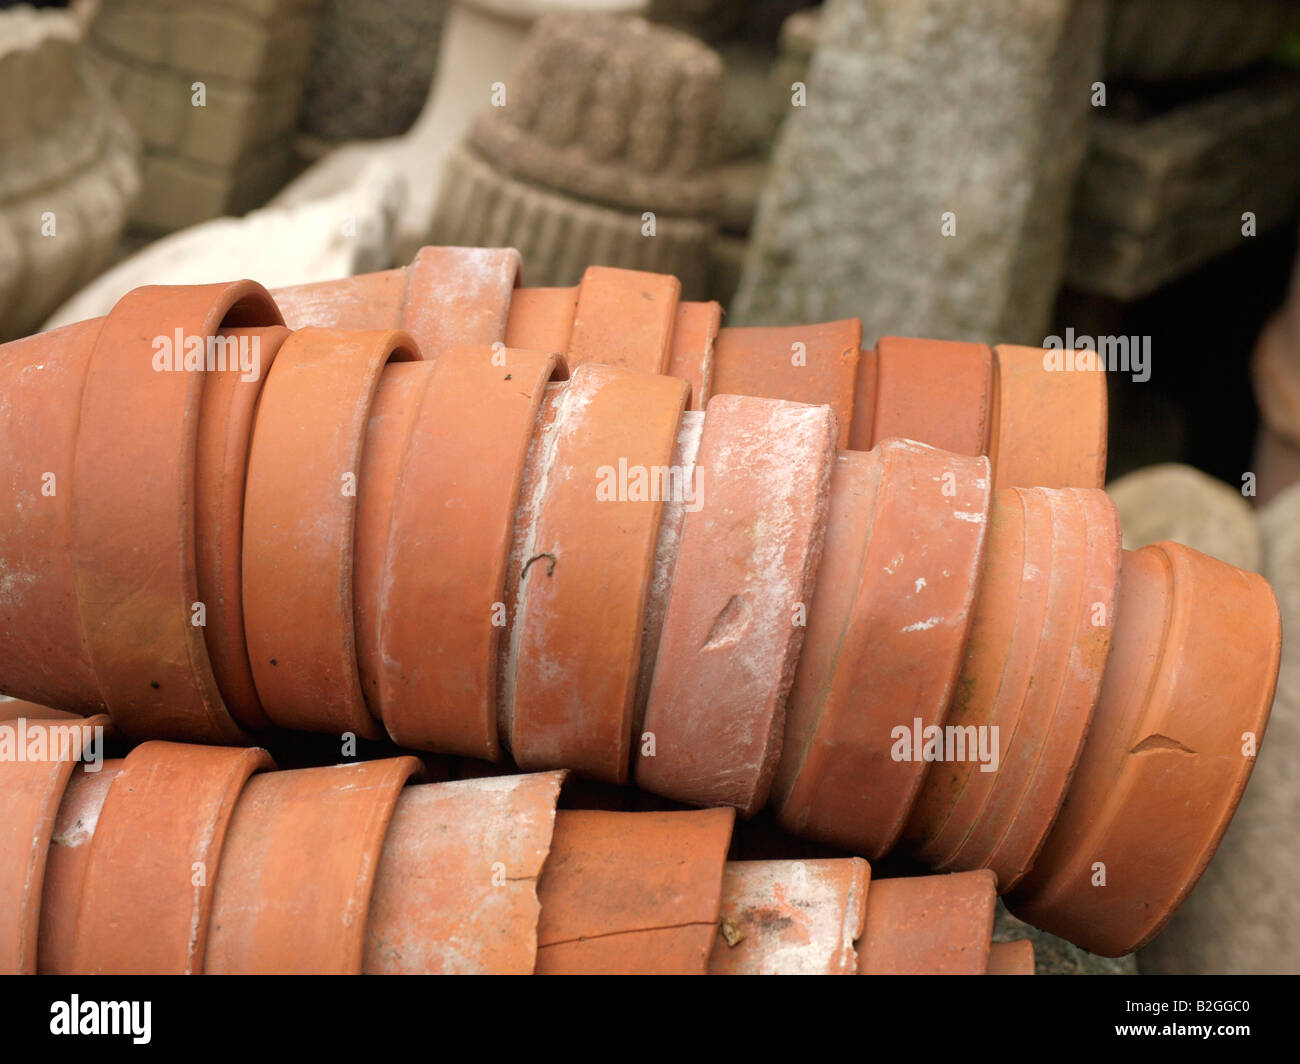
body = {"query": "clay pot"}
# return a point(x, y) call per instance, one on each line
point(136, 580)
point(456, 888)
point(1033, 671)
point(1048, 427)
point(278, 907)
point(1183, 706)
point(448, 547)
point(929, 925)
point(541, 319)
point(625, 893)
point(815, 364)
point(624, 318)
point(936, 391)
point(14, 708)
point(225, 428)
point(590, 532)
point(65, 867)
point(741, 590)
point(1011, 958)
point(791, 917)
point(146, 893)
point(690, 358)
point(42, 656)
point(887, 630)
point(32, 791)
point(299, 516)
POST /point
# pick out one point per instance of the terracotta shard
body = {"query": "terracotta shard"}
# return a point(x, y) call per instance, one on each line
point(453, 517)
point(299, 518)
point(1183, 706)
point(888, 626)
point(690, 358)
point(815, 364)
point(456, 890)
point(298, 869)
point(1011, 958)
point(589, 571)
point(137, 581)
point(632, 893)
point(541, 319)
point(459, 296)
point(929, 925)
point(147, 890)
point(624, 318)
point(791, 917)
point(741, 589)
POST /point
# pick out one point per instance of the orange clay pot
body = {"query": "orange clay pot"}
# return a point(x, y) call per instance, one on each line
point(42, 656)
point(592, 526)
point(690, 358)
point(1183, 706)
point(815, 364)
point(225, 428)
point(929, 925)
point(1011, 958)
point(1048, 427)
point(456, 888)
point(541, 319)
point(299, 517)
point(935, 391)
point(887, 629)
point(448, 546)
point(624, 318)
point(137, 581)
point(625, 893)
point(741, 590)
point(32, 791)
point(1033, 670)
point(278, 908)
point(791, 917)
point(146, 895)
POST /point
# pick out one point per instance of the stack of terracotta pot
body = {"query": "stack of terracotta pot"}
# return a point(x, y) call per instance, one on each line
point(182, 859)
point(513, 526)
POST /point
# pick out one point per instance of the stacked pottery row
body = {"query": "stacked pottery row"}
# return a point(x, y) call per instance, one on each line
point(183, 859)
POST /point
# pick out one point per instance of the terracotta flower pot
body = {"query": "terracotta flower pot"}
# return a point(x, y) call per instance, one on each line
point(32, 790)
point(277, 907)
point(936, 391)
point(625, 893)
point(815, 364)
point(1047, 427)
point(146, 895)
point(887, 628)
point(741, 588)
point(1011, 958)
point(691, 356)
point(1033, 671)
point(299, 518)
point(590, 532)
point(42, 656)
point(929, 925)
point(624, 318)
point(456, 888)
point(225, 428)
point(1183, 706)
point(541, 319)
point(137, 581)
point(791, 917)
point(448, 547)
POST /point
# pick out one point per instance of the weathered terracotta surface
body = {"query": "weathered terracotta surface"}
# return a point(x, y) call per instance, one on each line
point(1011, 958)
point(225, 429)
point(739, 602)
point(367, 301)
point(803, 363)
point(456, 889)
point(453, 518)
point(887, 629)
point(625, 893)
point(298, 869)
point(65, 867)
point(791, 917)
point(691, 353)
point(1033, 670)
point(32, 792)
point(137, 580)
point(147, 890)
point(595, 524)
point(13, 708)
point(1047, 427)
point(42, 656)
point(458, 296)
point(929, 925)
point(624, 318)
point(299, 518)
point(1190, 680)
point(936, 391)
point(541, 319)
